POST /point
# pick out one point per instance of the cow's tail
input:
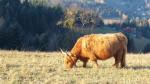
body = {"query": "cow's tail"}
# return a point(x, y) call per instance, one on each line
point(123, 60)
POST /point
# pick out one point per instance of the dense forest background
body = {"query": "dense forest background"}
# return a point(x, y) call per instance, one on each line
point(34, 25)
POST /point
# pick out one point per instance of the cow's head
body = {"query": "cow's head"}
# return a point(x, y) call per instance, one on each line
point(69, 59)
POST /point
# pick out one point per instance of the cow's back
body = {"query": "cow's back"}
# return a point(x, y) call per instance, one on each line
point(102, 46)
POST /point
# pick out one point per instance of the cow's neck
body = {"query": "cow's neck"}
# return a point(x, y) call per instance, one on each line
point(76, 49)
point(73, 59)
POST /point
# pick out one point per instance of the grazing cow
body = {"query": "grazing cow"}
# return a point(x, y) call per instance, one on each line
point(98, 47)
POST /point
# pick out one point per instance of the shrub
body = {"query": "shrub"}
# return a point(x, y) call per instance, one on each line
point(147, 48)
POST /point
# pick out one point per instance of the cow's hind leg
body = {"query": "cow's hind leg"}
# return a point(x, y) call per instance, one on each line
point(118, 58)
point(116, 64)
point(121, 58)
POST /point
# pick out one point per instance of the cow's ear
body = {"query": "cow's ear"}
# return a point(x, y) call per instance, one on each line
point(69, 54)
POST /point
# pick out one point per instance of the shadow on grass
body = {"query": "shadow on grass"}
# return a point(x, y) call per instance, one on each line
point(128, 67)
point(82, 67)
point(90, 67)
point(138, 67)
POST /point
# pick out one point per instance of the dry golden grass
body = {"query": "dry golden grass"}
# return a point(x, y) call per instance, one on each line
point(47, 68)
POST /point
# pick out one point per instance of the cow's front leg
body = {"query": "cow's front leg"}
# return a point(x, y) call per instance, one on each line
point(95, 64)
point(75, 65)
point(84, 63)
point(94, 60)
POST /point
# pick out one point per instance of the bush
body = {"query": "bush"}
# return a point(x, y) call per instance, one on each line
point(147, 48)
point(130, 46)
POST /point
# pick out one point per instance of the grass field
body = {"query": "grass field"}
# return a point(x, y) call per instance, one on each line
point(47, 68)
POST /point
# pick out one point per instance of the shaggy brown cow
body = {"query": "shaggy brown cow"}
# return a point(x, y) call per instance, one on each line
point(98, 47)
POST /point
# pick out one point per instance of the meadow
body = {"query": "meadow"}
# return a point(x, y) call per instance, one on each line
point(48, 68)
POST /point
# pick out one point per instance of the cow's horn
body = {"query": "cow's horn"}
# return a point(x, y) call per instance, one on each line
point(63, 52)
point(69, 54)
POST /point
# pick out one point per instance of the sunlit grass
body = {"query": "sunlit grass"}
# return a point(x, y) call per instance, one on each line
point(48, 68)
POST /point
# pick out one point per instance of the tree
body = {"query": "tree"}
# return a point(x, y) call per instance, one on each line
point(82, 18)
point(28, 24)
point(11, 38)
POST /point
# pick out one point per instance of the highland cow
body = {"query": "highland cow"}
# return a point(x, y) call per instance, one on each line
point(98, 47)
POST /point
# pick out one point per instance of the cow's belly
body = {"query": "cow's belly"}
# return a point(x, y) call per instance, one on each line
point(82, 58)
point(103, 55)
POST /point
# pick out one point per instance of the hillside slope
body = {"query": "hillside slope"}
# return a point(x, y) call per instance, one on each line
point(48, 68)
point(133, 8)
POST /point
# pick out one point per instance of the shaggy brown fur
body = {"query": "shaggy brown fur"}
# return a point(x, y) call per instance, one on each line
point(98, 47)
